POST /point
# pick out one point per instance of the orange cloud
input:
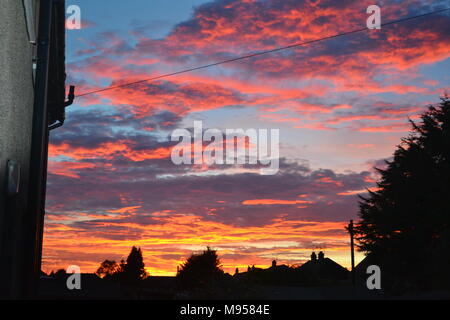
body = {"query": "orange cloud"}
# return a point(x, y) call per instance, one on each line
point(355, 192)
point(126, 209)
point(400, 127)
point(108, 150)
point(361, 146)
point(65, 168)
point(273, 201)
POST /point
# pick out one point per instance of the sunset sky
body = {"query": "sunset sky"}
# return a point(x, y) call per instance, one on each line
point(341, 105)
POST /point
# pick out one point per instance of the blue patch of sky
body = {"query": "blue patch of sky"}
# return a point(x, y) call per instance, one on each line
point(154, 17)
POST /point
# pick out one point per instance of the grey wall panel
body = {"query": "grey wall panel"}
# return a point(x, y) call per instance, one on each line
point(16, 107)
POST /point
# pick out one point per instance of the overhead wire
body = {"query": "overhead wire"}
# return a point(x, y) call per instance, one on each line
point(260, 53)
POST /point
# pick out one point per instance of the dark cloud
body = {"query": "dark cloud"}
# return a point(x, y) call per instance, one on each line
point(215, 198)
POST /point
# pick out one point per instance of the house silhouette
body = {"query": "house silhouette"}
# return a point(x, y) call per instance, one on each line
point(319, 270)
point(323, 269)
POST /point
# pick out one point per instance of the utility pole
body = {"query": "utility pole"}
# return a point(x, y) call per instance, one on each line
point(352, 250)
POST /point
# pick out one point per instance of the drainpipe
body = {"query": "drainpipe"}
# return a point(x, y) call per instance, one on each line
point(33, 223)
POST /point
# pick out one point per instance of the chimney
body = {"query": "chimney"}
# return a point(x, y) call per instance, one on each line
point(321, 255)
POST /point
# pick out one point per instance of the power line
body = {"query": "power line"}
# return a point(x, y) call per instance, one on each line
point(260, 53)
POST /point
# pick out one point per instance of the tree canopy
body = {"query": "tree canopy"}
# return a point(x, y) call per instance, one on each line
point(405, 222)
point(129, 272)
point(134, 268)
point(107, 269)
point(200, 270)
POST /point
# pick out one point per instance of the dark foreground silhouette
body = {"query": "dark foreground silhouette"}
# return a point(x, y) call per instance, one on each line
point(201, 277)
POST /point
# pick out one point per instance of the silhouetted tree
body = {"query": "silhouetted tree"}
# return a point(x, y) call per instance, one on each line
point(405, 224)
point(108, 269)
point(200, 270)
point(134, 269)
